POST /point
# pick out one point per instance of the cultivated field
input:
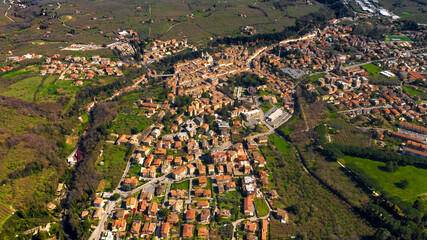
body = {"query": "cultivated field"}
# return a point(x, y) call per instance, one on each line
point(99, 22)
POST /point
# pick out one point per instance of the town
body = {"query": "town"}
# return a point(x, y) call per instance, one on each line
point(187, 137)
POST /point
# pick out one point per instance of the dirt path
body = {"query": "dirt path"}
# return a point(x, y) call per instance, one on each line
point(38, 88)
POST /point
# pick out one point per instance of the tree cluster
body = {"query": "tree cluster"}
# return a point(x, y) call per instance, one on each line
point(335, 151)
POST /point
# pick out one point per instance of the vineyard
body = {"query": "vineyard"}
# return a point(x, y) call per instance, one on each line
point(4, 213)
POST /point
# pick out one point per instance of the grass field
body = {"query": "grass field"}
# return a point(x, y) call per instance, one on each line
point(397, 38)
point(52, 89)
point(23, 89)
point(124, 123)
point(114, 164)
point(411, 91)
point(314, 78)
point(265, 106)
point(415, 176)
point(372, 69)
point(261, 207)
point(134, 170)
point(182, 185)
point(280, 144)
point(16, 73)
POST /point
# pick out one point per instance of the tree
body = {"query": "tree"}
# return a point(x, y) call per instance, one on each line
point(402, 184)
point(115, 196)
point(165, 212)
point(418, 204)
point(134, 130)
point(391, 166)
point(382, 234)
point(258, 128)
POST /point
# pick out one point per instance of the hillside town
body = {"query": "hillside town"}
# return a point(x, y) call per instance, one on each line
point(200, 166)
point(188, 168)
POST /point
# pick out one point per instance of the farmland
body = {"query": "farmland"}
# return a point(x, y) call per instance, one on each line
point(4, 213)
point(162, 19)
point(407, 10)
point(415, 176)
point(52, 89)
point(24, 89)
point(345, 133)
point(317, 209)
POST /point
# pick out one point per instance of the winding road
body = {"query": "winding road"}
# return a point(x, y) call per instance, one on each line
point(7, 11)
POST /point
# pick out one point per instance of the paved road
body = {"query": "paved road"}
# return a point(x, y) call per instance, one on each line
point(7, 11)
point(168, 189)
point(367, 108)
point(66, 70)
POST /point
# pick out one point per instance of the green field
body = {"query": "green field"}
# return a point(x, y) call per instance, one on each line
point(115, 162)
point(261, 207)
point(280, 144)
point(124, 123)
point(16, 73)
point(23, 89)
point(314, 78)
point(372, 69)
point(52, 89)
point(182, 185)
point(415, 176)
point(411, 91)
point(397, 38)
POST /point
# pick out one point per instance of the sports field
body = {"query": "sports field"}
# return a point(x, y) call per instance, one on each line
point(403, 38)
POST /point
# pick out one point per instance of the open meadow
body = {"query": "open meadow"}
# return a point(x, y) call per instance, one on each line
point(416, 177)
